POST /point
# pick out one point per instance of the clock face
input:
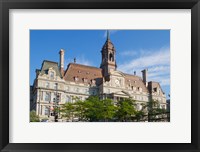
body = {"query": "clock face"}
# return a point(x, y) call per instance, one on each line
point(117, 82)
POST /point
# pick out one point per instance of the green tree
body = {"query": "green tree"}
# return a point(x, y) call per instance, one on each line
point(108, 110)
point(154, 110)
point(126, 110)
point(79, 110)
point(67, 111)
point(93, 108)
point(34, 117)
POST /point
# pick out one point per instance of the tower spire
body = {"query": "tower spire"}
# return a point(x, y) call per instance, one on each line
point(108, 35)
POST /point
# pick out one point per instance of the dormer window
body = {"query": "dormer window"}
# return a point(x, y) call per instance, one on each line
point(76, 79)
point(85, 80)
point(51, 74)
point(93, 81)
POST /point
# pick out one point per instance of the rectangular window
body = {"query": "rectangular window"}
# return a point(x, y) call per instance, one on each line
point(47, 84)
point(68, 98)
point(51, 75)
point(47, 96)
point(46, 112)
point(55, 86)
point(87, 91)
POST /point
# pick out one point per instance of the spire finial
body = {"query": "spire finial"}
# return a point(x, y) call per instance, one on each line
point(108, 35)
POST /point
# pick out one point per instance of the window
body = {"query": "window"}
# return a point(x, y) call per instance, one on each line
point(47, 96)
point(111, 58)
point(46, 111)
point(51, 74)
point(93, 81)
point(55, 86)
point(108, 90)
point(47, 84)
point(54, 97)
point(68, 99)
point(85, 80)
point(138, 106)
point(86, 91)
point(163, 106)
point(76, 78)
point(93, 92)
point(77, 89)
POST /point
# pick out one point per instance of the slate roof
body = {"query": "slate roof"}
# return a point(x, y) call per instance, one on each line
point(92, 73)
point(83, 72)
point(50, 64)
point(135, 81)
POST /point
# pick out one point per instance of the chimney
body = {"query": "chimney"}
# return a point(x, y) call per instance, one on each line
point(144, 76)
point(62, 53)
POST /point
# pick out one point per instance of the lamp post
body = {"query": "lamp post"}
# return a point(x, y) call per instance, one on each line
point(56, 100)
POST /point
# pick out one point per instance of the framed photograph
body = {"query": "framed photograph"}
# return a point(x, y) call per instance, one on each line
point(100, 76)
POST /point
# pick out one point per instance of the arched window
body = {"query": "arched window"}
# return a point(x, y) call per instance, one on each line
point(111, 57)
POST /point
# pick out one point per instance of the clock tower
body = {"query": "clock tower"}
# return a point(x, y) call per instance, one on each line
point(108, 52)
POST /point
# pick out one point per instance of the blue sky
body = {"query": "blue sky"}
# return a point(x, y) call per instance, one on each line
point(135, 50)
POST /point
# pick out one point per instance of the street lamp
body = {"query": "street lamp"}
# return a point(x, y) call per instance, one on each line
point(56, 100)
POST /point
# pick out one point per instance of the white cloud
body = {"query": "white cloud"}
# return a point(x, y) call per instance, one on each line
point(128, 53)
point(82, 60)
point(157, 63)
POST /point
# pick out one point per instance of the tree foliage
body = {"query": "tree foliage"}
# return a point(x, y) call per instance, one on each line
point(34, 117)
point(95, 110)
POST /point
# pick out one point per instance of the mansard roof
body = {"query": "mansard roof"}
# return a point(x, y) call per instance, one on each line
point(83, 73)
point(50, 64)
point(135, 81)
point(152, 85)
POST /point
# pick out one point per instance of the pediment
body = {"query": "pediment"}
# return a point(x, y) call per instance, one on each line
point(123, 93)
point(117, 73)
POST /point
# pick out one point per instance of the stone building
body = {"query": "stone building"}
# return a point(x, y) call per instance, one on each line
point(54, 82)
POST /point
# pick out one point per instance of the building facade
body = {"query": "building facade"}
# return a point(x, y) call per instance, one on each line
point(53, 83)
